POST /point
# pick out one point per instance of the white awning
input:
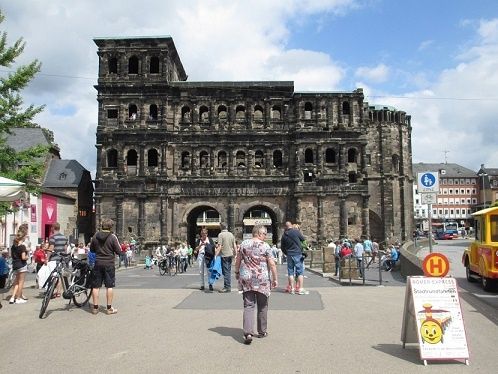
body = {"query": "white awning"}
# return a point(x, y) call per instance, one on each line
point(10, 190)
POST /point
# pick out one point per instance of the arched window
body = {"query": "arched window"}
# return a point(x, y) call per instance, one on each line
point(308, 108)
point(131, 158)
point(186, 116)
point(330, 156)
point(222, 160)
point(153, 112)
point(154, 65)
point(152, 157)
point(222, 112)
point(277, 158)
point(345, 108)
point(185, 160)
point(259, 159)
point(204, 160)
point(132, 112)
point(395, 164)
point(352, 177)
point(204, 114)
point(308, 156)
point(258, 113)
point(240, 113)
point(113, 65)
point(351, 155)
point(112, 158)
point(240, 160)
point(276, 113)
point(133, 65)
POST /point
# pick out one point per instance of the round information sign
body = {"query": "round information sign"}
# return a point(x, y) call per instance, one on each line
point(436, 265)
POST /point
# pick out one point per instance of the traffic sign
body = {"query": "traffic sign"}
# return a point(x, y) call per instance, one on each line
point(428, 182)
point(436, 265)
point(428, 198)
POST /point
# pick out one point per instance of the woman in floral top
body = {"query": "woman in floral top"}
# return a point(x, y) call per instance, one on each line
point(252, 266)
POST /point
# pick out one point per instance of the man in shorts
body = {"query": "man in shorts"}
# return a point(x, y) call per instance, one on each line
point(291, 246)
point(106, 247)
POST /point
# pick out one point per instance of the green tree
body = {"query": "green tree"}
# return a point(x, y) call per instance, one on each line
point(26, 166)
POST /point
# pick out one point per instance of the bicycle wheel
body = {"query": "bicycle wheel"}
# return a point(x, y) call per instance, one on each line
point(10, 280)
point(81, 294)
point(48, 295)
point(163, 267)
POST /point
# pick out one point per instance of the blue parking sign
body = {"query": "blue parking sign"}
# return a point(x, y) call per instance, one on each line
point(428, 182)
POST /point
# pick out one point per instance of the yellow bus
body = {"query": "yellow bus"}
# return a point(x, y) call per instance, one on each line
point(481, 257)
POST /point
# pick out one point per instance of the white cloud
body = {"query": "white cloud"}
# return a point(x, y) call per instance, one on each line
point(425, 44)
point(216, 40)
point(377, 74)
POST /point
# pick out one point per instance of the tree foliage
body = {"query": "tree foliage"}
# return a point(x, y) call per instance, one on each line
point(27, 165)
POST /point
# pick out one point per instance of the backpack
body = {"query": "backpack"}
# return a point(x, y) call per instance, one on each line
point(39, 256)
point(209, 250)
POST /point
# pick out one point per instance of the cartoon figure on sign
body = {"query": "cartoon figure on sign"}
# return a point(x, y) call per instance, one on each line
point(433, 324)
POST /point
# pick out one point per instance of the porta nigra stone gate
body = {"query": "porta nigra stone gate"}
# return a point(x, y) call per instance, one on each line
point(173, 156)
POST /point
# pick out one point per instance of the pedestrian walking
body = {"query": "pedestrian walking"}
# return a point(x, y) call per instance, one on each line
point(106, 247)
point(291, 243)
point(205, 254)
point(226, 248)
point(253, 265)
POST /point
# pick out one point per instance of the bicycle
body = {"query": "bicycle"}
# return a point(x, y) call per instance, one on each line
point(74, 282)
point(9, 282)
point(163, 266)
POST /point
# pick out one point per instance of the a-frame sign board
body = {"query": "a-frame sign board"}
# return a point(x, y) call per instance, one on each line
point(432, 317)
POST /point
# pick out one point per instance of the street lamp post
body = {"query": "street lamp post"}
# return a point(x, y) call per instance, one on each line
point(482, 175)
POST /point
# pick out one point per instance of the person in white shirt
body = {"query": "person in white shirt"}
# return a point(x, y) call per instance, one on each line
point(358, 253)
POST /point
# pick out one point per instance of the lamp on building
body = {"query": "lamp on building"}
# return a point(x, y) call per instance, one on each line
point(483, 174)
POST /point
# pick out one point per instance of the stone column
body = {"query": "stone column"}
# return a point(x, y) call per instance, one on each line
point(343, 220)
point(141, 217)
point(141, 164)
point(98, 173)
point(321, 222)
point(98, 211)
point(365, 218)
point(173, 218)
point(231, 215)
point(118, 203)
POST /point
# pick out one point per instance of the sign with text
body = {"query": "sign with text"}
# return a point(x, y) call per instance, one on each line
point(433, 313)
point(428, 198)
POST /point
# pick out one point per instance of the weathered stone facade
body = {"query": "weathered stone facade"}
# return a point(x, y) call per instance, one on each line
point(169, 150)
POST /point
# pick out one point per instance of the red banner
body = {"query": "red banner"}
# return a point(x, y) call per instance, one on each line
point(33, 213)
point(49, 210)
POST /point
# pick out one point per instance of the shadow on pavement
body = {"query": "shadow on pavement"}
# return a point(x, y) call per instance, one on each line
point(410, 354)
point(232, 332)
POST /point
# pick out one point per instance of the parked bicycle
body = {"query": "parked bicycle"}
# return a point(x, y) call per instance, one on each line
point(75, 282)
point(10, 278)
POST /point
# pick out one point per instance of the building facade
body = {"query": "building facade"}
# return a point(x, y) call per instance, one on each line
point(457, 198)
point(173, 155)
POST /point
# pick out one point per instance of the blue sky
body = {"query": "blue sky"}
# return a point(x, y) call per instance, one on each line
point(437, 60)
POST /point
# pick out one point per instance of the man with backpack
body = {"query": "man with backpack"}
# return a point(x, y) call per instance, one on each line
point(205, 250)
point(291, 243)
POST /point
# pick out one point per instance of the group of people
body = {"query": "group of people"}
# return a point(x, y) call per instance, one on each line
point(363, 249)
point(179, 254)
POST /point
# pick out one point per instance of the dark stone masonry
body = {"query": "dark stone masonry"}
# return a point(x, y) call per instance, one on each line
point(174, 155)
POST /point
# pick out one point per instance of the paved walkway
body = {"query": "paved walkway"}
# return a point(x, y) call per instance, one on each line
point(183, 330)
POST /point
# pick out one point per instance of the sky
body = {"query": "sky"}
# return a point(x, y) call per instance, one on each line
point(437, 60)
